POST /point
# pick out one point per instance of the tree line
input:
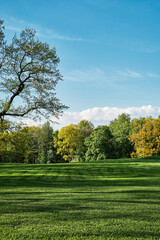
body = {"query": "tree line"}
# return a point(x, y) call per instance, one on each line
point(123, 137)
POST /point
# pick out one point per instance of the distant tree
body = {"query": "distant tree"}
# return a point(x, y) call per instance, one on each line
point(14, 145)
point(67, 142)
point(4, 140)
point(99, 144)
point(136, 125)
point(120, 128)
point(54, 156)
point(5, 126)
point(34, 144)
point(19, 144)
point(147, 140)
point(45, 142)
point(86, 128)
point(28, 74)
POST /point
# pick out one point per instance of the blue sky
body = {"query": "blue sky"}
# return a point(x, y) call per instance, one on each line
point(109, 51)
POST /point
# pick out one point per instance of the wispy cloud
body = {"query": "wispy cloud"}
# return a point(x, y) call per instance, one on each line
point(17, 25)
point(130, 74)
point(13, 28)
point(50, 34)
point(101, 116)
point(89, 75)
point(110, 76)
point(153, 75)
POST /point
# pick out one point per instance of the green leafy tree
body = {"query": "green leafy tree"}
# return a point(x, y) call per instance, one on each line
point(45, 142)
point(136, 125)
point(5, 128)
point(4, 140)
point(14, 145)
point(28, 73)
point(34, 144)
point(120, 128)
point(85, 128)
point(99, 144)
point(18, 145)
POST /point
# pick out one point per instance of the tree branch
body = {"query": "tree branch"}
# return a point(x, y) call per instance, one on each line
point(21, 114)
point(8, 104)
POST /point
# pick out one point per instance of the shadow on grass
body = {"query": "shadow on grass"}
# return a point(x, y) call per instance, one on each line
point(78, 171)
point(68, 182)
point(152, 159)
point(102, 205)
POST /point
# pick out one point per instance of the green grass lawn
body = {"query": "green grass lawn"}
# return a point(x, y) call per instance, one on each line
point(112, 199)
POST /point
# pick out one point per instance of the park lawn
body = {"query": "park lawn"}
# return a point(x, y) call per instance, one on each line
point(111, 199)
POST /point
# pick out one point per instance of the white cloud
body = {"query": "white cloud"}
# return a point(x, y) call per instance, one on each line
point(106, 114)
point(101, 116)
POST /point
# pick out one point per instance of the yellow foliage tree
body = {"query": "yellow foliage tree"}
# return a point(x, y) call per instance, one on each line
point(147, 140)
point(67, 142)
point(14, 145)
point(3, 145)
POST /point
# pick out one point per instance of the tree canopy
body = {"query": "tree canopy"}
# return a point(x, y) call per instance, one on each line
point(85, 127)
point(147, 140)
point(28, 77)
point(67, 141)
point(120, 128)
point(99, 144)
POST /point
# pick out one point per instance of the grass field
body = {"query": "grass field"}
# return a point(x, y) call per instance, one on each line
point(112, 199)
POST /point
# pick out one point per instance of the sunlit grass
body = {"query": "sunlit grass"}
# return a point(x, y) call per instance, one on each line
point(112, 199)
